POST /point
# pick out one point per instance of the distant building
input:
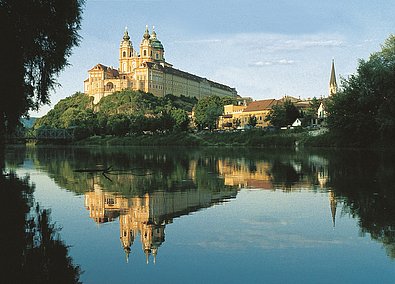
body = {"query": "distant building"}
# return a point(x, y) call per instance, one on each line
point(238, 116)
point(149, 72)
point(321, 112)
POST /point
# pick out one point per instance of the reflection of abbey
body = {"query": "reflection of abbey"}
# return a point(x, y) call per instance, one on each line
point(149, 72)
point(147, 215)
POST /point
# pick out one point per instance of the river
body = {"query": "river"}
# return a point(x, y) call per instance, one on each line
point(215, 215)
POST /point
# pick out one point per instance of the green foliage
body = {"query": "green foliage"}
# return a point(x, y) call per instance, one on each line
point(208, 109)
point(364, 111)
point(181, 119)
point(252, 121)
point(37, 38)
point(283, 114)
point(74, 110)
point(311, 112)
point(119, 114)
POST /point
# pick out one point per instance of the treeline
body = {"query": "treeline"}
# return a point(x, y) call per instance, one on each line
point(121, 113)
point(363, 112)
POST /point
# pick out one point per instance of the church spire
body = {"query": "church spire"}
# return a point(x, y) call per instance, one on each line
point(332, 81)
point(333, 204)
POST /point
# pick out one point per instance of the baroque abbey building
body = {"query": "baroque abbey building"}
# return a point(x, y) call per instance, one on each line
point(149, 72)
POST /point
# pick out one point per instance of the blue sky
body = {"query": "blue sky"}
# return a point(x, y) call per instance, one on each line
point(265, 49)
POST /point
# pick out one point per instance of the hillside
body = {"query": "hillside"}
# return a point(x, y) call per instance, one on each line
point(119, 113)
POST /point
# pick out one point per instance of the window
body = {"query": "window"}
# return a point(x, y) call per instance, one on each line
point(145, 52)
point(124, 54)
point(157, 56)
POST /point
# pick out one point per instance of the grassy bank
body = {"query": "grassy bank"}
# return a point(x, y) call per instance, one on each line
point(250, 138)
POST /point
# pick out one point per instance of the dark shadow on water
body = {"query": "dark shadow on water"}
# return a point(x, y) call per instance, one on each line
point(31, 249)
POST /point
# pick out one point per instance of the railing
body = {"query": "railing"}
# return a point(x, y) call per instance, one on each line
point(44, 134)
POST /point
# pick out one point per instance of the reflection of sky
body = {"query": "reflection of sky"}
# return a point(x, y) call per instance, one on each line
point(261, 236)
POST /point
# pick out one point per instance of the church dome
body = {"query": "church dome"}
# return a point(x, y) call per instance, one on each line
point(155, 42)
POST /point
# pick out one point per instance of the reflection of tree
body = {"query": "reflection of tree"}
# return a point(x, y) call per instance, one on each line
point(365, 182)
point(31, 248)
point(284, 174)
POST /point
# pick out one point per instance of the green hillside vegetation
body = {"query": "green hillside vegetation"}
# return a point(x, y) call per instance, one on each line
point(119, 114)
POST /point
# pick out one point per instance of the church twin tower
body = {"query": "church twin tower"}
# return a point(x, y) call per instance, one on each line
point(148, 71)
point(151, 50)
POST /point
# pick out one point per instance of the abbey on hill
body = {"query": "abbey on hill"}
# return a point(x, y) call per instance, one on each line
point(149, 72)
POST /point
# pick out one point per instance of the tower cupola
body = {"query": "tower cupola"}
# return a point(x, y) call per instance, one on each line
point(146, 33)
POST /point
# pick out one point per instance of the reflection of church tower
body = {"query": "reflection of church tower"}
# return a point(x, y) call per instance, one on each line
point(333, 204)
point(126, 234)
point(332, 82)
point(152, 236)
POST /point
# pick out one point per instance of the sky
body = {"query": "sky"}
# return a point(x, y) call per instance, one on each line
point(263, 48)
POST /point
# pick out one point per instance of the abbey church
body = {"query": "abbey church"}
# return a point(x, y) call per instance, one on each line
point(148, 71)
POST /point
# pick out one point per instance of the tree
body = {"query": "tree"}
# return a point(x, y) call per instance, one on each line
point(181, 119)
point(252, 121)
point(208, 109)
point(37, 38)
point(311, 111)
point(364, 110)
point(118, 124)
point(283, 114)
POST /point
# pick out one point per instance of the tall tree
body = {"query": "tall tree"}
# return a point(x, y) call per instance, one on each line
point(283, 114)
point(208, 109)
point(364, 111)
point(37, 38)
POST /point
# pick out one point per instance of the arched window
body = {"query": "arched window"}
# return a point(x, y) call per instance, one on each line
point(124, 54)
point(145, 52)
point(109, 86)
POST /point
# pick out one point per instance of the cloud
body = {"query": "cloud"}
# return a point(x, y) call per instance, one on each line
point(269, 42)
point(198, 41)
point(272, 62)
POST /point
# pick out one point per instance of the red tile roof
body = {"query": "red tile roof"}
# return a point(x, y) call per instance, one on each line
point(260, 105)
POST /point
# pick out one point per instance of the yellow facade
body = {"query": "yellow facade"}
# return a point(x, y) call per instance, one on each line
point(238, 116)
point(149, 72)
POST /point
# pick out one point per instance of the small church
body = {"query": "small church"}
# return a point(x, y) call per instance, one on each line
point(321, 112)
point(147, 70)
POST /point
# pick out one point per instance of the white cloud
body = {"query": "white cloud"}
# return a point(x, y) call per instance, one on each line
point(272, 62)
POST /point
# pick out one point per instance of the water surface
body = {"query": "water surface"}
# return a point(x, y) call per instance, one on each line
point(171, 215)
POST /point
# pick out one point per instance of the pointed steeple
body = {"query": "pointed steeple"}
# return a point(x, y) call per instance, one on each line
point(332, 81)
point(333, 204)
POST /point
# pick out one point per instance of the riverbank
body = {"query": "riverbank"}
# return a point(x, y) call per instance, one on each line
point(248, 138)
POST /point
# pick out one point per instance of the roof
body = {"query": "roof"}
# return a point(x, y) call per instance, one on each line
point(113, 72)
point(98, 66)
point(260, 105)
point(186, 75)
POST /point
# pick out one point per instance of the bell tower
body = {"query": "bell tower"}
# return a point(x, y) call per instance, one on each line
point(146, 52)
point(125, 53)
